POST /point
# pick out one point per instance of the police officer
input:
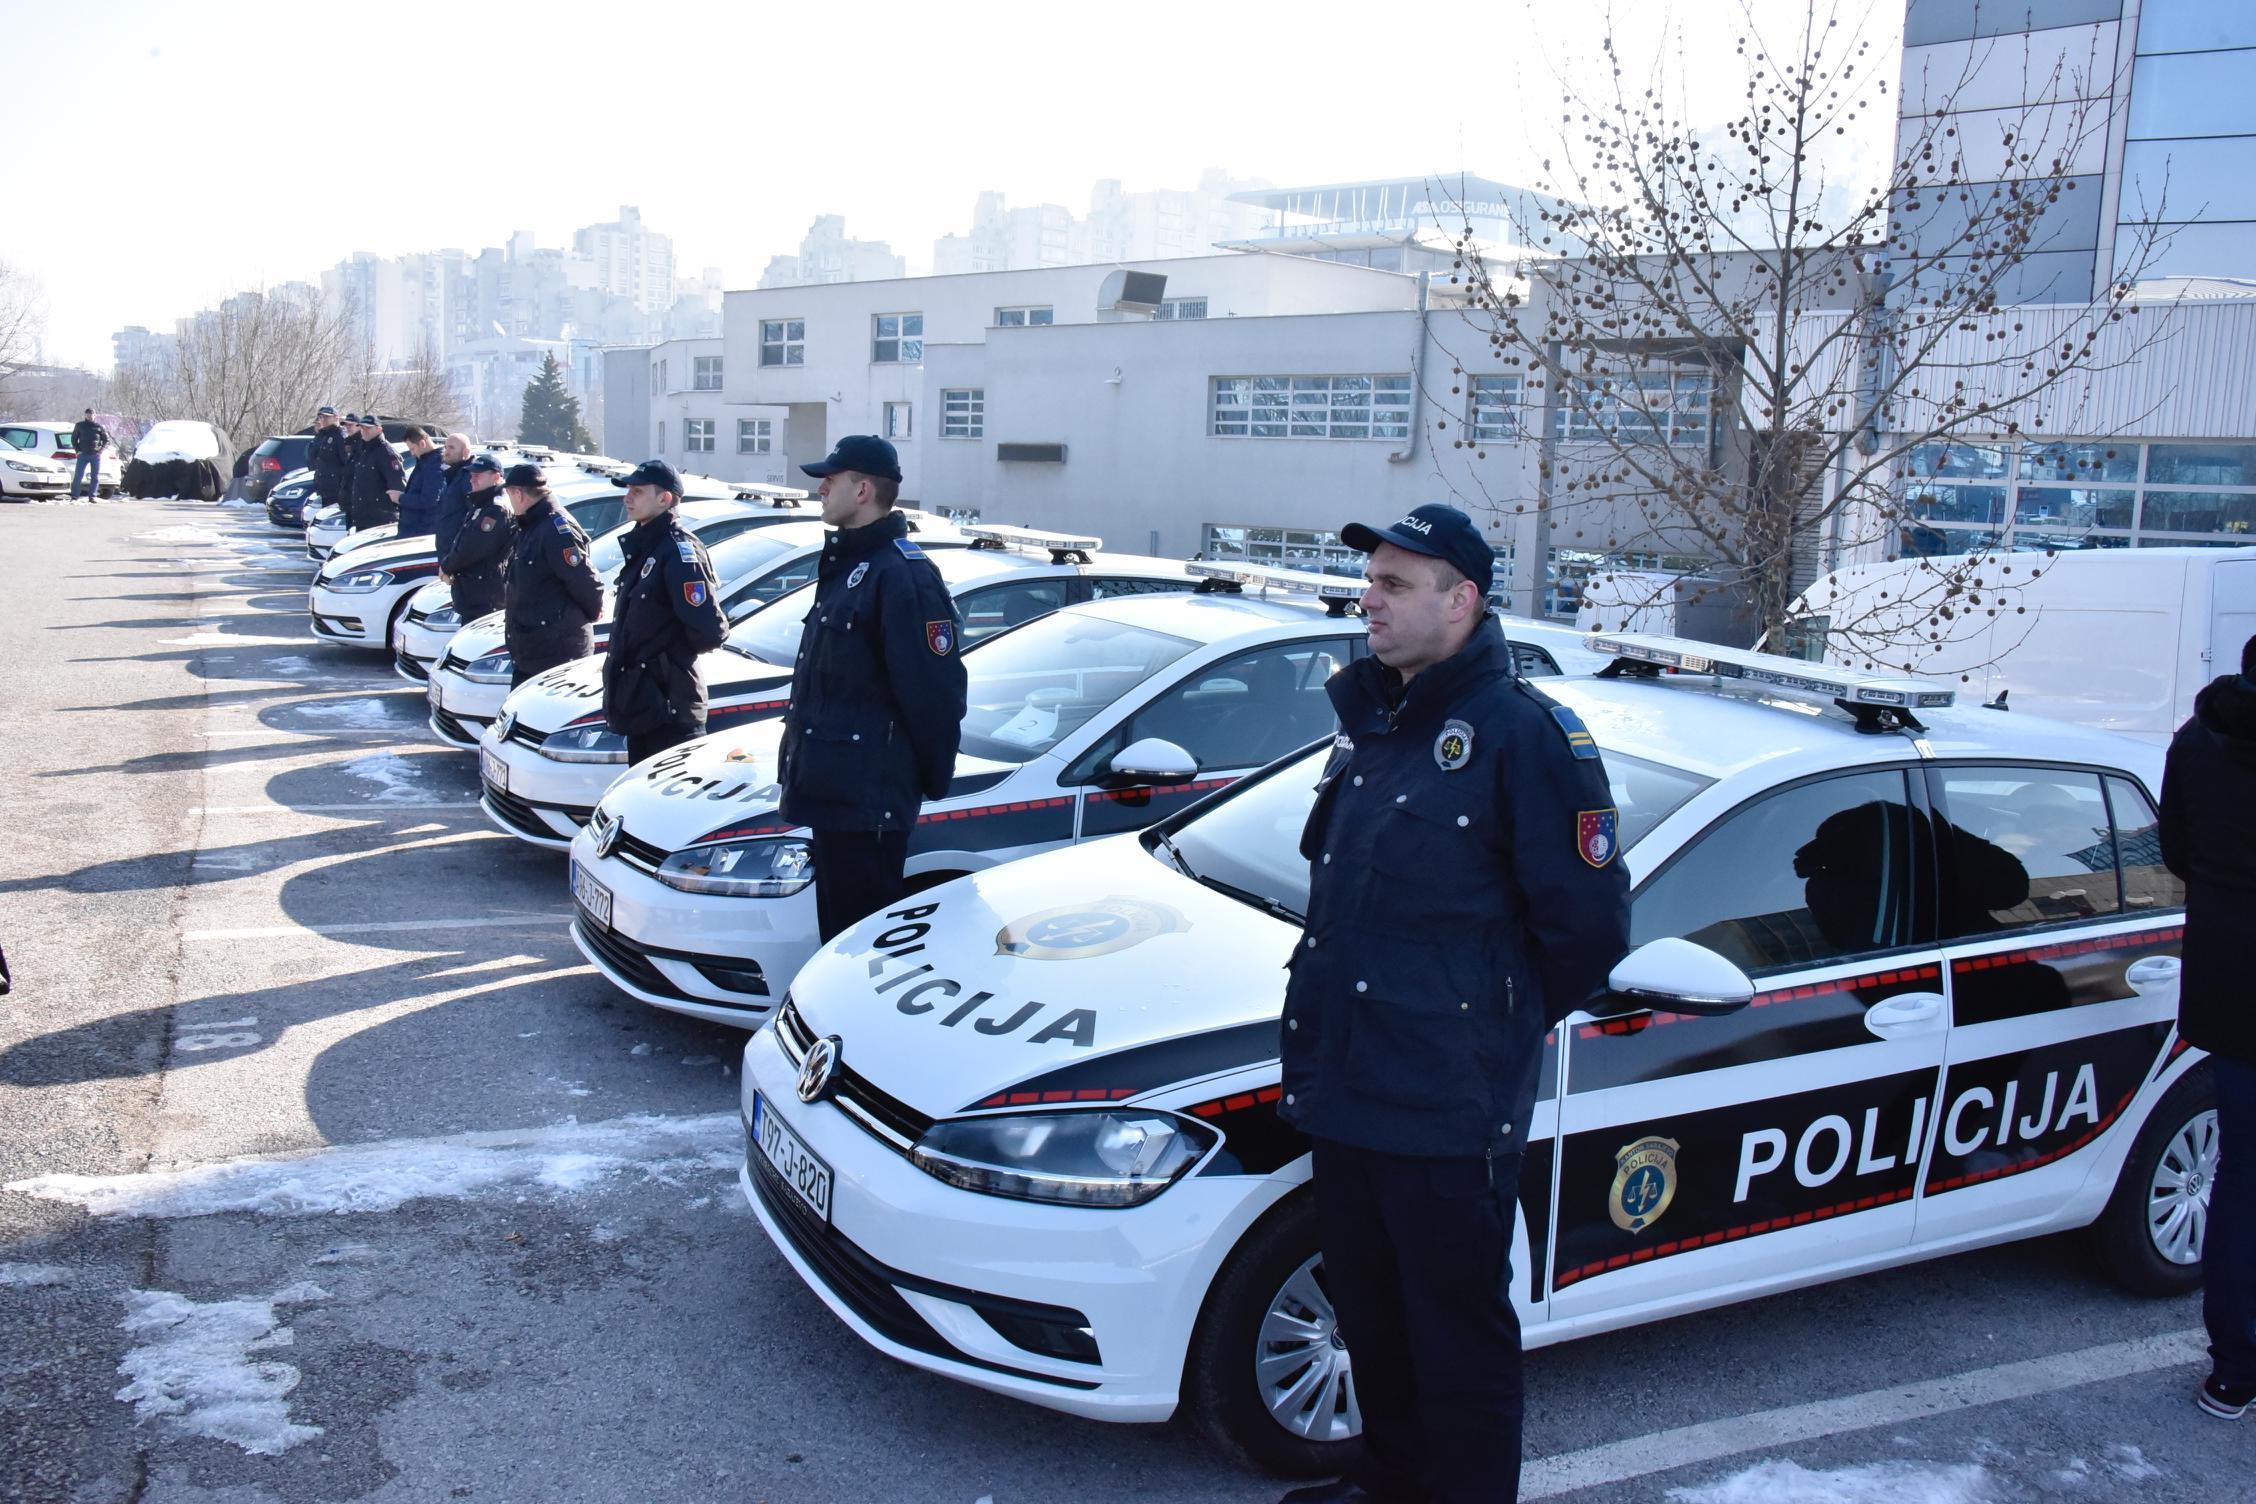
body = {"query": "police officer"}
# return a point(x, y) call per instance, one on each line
point(328, 456)
point(668, 611)
point(552, 594)
point(1464, 896)
point(454, 492)
point(419, 499)
point(877, 703)
point(376, 481)
point(471, 565)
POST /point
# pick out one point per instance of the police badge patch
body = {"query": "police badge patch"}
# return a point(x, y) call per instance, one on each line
point(693, 591)
point(1454, 747)
point(485, 524)
point(940, 636)
point(855, 577)
point(647, 566)
point(1595, 835)
point(1644, 1183)
point(571, 557)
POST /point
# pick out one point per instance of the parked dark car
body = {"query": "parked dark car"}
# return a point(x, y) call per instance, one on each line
point(273, 459)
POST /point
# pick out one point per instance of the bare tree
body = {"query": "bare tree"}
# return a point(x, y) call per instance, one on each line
point(1739, 356)
point(255, 365)
point(420, 392)
point(23, 320)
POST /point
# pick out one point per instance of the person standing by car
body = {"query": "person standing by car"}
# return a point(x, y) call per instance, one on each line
point(1464, 896)
point(454, 492)
point(2208, 835)
point(90, 440)
point(377, 479)
point(470, 566)
point(419, 498)
point(877, 703)
point(668, 611)
point(329, 456)
point(551, 594)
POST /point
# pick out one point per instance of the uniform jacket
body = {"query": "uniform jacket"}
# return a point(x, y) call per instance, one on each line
point(472, 562)
point(454, 500)
point(877, 700)
point(667, 610)
point(375, 475)
point(89, 436)
point(1465, 894)
point(553, 596)
point(419, 498)
point(330, 458)
point(2209, 840)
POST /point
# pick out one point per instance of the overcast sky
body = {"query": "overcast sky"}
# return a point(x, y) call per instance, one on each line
point(242, 142)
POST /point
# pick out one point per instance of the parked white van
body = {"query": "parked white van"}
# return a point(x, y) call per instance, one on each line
point(2120, 639)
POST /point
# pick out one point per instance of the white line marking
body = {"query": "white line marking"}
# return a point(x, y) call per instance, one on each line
point(1661, 1451)
point(396, 737)
point(285, 931)
point(368, 806)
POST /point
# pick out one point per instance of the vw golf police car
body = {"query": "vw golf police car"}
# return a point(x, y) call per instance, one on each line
point(1904, 983)
point(549, 757)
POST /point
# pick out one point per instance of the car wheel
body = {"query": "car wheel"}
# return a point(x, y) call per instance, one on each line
point(2149, 1238)
point(1269, 1379)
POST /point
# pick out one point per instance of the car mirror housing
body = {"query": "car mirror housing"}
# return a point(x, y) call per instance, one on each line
point(1153, 760)
point(1676, 976)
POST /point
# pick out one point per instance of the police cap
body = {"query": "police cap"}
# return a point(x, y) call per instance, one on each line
point(653, 473)
point(1436, 530)
point(524, 475)
point(862, 453)
point(485, 464)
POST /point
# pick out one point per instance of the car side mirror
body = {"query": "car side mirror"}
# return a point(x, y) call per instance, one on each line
point(1676, 976)
point(1153, 760)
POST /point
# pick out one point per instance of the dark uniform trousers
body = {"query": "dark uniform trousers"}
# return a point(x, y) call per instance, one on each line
point(1417, 1259)
point(857, 872)
point(530, 663)
point(651, 743)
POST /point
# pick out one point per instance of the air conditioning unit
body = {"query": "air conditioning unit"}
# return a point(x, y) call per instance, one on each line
point(1052, 454)
point(1132, 292)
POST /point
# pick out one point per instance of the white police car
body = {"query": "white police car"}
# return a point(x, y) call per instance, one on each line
point(549, 757)
point(1020, 1129)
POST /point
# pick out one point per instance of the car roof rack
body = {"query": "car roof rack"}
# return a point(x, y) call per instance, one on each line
point(1878, 703)
point(1337, 592)
point(1064, 548)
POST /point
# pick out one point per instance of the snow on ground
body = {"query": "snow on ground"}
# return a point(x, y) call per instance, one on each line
point(184, 532)
point(1777, 1481)
point(193, 1368)
point(365, 713)
point(31, 1276)
point(289, 666)
point(374, 1177)
point(394, 773)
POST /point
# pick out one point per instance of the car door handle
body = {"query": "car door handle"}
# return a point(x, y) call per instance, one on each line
point(2153, 972)
point(1905, 1013)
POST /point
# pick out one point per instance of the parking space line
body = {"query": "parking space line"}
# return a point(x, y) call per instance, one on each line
point(359, 807)
point(1637, 1456)
point(387, 927)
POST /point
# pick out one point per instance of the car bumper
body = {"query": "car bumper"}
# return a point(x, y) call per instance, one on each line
point(417, 648)
point(916, 1266)
point(355, 620)
point(541, 800)
point(34, 485)
point(460, 710)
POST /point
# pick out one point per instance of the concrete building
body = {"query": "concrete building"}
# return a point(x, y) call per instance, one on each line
point(138, 349)
point(827, 255)
point(669, 401)
point(1120, 226)
point(631, 264)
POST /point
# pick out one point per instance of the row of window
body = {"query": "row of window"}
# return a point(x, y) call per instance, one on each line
point(704, 376)
point(2079, 493)
point(1310, 407)
point(1676, 408)
point(898, 338)
point(753, 436)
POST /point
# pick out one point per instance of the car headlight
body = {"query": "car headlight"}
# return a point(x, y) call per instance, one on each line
point(1120, 1157)
point(290, 493)
point(493, 668)
point(360, 581)
point(741, 869)
point(596, 743)
point(445, 616)
point(31, 469)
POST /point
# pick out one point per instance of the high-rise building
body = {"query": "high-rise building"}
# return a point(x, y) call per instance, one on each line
point(826, 255)
point(1120, 226)
point(630, 262)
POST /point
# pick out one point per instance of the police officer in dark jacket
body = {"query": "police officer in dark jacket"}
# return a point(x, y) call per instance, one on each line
point(88, 439)
point(329, 456)
point(667, 611)
point(471, 564)
point(552, 594)
point(419, 498)
point(1464, 896)
point(454, 492)
point(877, 703)
point(2208, 836)
point(376, 480)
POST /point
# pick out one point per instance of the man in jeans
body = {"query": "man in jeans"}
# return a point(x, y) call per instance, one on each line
point(2209, 840)
point(90, 439)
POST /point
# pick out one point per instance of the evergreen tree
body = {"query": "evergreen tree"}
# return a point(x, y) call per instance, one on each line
point(552, 414)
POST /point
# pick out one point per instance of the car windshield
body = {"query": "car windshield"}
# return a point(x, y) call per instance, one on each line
point(1032, 687)
point(771, 633)
point(1248, 844)
point(750, 553)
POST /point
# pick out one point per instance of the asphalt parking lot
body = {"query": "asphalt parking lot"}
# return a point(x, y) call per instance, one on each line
point(334, 1174)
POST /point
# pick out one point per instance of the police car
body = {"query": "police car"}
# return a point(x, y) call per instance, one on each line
point(693, 895)
point(549, 757)
point(1904, 982)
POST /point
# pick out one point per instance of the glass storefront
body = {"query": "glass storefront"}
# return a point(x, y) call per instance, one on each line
point(2078, 493)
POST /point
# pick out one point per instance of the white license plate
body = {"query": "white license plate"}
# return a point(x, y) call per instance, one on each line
point(495, 770)
point(808, 1176)
point(432, 691)
point(591, 895)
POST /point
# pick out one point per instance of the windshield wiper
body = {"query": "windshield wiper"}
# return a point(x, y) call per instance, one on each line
point(1265, 904)
point(1175, 855)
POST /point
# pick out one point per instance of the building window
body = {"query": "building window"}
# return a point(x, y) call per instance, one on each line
point(783, 342)
point(963, 413)
point(706, 377)
point(1282, 547)
point(697, 435)
point(1495, 414)
point(1182, 308)
point(755, 436)
point(1019, 318)
point(897, 339)
point(897, 419)
point(661, 436)
point(1646, 407)
point(662, 386)
point(1311, 407)
point(2077, 493)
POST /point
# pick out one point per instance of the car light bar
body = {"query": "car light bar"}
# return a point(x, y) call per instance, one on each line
point(1325, 587)
point(775, 495)
point(1769, 669)
point(1004, 536)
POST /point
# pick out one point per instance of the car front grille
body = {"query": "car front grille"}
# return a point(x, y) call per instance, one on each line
point(454, 728)
point(524, 735)
point(884, 1117)
point(626, 958)
point(517, 814)
point(410, 667)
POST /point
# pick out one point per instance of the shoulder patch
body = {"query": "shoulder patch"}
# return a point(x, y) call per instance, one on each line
point(908, 550)
point(563, 523)
point(485, 524)
point(688, 549)
point(940, 636)
point(1594, 834)
point(572, 557)
point(693, 591)
point(1578, 735)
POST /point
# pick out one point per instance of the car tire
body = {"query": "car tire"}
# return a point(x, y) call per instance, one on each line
point(1276, 1268)
point(2143, 1239)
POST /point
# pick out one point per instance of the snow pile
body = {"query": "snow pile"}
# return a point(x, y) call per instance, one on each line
point(177, 439)
point(395, 775)
point(362, 713)
point(194, 1371)
point(31, 1276)
point(376, 1177)
point(189, 532)
point(1782, 1482)
point(290, 667)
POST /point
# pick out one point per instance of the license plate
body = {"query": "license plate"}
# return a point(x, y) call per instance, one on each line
point(496, 771)
point(807, 1176)
point(591, 895)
